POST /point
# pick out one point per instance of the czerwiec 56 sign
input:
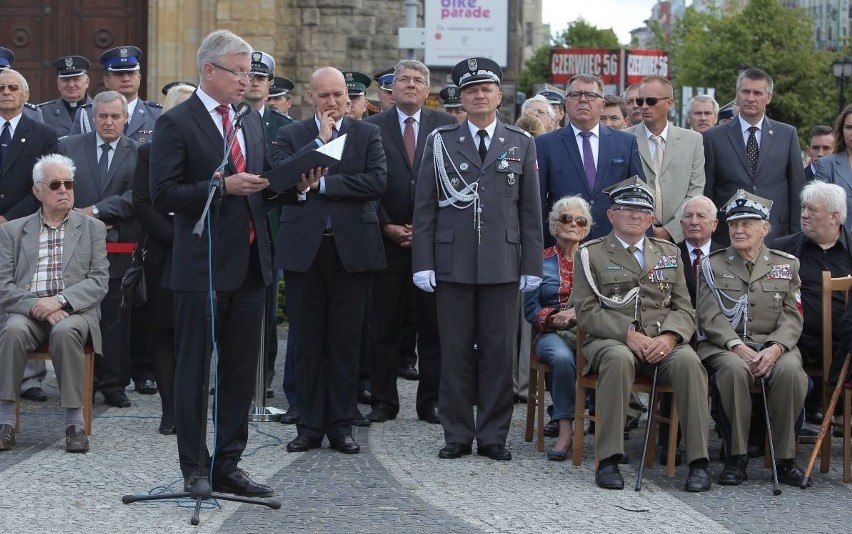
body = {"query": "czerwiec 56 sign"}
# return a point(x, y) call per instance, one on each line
point(617, 68)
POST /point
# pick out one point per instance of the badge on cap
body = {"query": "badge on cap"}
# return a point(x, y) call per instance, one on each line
point(472, 64)
point(69, 62)
point(256, 57)
point(123, 53)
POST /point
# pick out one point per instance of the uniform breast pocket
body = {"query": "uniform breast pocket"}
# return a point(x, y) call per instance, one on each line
point(444, 251)
point(509, 176)
point(615, 282)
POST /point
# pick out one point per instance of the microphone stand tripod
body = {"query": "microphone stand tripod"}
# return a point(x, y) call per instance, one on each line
point(200, 488)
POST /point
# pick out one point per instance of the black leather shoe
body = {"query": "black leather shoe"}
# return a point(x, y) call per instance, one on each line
point(167, 427)
point(495, 451)
point(7, 437)
point(303, 443)
point(734, 472)
point(117, 399)
point(551, 429)
point(75, 439)
point(408, 372)
point(430, 415)
point(290, 417)
point(381, 413)
point(558, 455)
point(34, 394)
point(452, 451)
point(365, 396)
point(789, 473)
point(145, 387)
point(698, 480)
point(238, 483)
point(345, 444)
point(608, 476)
point(755, 451)
point(360, 420)
point(813, 417)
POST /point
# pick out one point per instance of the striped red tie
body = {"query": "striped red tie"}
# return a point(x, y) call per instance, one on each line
point(237, 157)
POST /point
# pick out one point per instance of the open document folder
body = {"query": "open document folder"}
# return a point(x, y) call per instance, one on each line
point(286, 176)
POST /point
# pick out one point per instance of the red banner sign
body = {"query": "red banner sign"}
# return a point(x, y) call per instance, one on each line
point(641, 63)
point(616, 68)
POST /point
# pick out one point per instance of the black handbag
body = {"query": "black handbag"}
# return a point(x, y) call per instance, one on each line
point(134, 289)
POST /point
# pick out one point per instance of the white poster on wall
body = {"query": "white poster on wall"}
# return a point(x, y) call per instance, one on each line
point(460, 29)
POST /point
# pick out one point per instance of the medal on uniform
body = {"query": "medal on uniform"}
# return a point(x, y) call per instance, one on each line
point(461, 139)
point(778, 298)
point(616, 293)
point(463, 167)
point(503, 165)
point(510, 179)
point(455, 182)
point(512, 150)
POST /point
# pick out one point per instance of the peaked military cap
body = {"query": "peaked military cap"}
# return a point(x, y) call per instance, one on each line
point(281, 86)
point(165, 89)
point(7, 57)
point(476, 70)
point(553, 96)
point(121, 58)
point(262, 64)
point(70, 66)
point(631, 192)
point(357, 83)
point(744, 205)
point(451, 96)
point(385, 79)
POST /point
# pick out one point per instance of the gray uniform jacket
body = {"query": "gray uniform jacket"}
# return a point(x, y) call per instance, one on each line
point(56, 116)
point(140, 126)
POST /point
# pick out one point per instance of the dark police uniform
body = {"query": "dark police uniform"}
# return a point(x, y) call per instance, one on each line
point(59, 114)
point(7, 57)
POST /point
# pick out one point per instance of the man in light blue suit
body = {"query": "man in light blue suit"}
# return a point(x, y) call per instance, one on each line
point(584, 157)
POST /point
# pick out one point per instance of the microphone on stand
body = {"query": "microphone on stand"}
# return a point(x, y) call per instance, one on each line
point(241, 110)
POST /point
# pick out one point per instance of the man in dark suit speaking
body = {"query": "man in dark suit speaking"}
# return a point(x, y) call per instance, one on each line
point(327, 247)
point(189, 146)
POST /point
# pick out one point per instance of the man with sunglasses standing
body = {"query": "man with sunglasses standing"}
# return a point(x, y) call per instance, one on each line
point(672, 157)
point(757, 154)
point(584, 157)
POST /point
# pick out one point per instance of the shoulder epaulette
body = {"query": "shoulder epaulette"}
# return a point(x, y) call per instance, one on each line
point(86, 106)
point(447, 127)
point(47, 103)
point(782, 253)
point(153, 104)
point(664, 243)
point(276, 112)
point(517, 129)
point(719, 251)
point(30, 105)
point(592, 242)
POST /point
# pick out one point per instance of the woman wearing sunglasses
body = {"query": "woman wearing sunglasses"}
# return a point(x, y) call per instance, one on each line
point(553, 319)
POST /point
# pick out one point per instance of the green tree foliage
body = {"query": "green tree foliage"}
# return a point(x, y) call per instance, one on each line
point(578, 34)
point(708, 49)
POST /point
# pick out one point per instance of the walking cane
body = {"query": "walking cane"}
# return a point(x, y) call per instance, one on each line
point(826, 421)
point(647, 429)
point(775, 489)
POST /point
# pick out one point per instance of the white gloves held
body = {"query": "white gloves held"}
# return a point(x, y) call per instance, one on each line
point(529, 282)
point(425, 280)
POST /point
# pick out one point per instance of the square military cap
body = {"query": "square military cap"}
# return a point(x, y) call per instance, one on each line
point(357, 83)
point(281, 86)
point(262, 64)
point(744, 205)
point(70, 66)
point(385, 79)
point(476, 70)
point(121, 59)
point(451, 96)
point(7, 57)
point(631, 192)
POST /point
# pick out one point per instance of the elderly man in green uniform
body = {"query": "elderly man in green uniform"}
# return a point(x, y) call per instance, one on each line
point(632, 301)
point(740, 345)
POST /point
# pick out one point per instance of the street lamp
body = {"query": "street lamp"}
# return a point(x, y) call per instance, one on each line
point(842, 70)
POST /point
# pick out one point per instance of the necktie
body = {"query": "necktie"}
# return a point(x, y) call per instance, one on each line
point(408, 139)
point(750, 267)
point(483, 150)
point(103, 164)
point(752, 149)
point(658, 166)
point(236, 154)
point(588, 160)
point(5, 141)
point(334, 134)
point(697, 261)
point(632, 250)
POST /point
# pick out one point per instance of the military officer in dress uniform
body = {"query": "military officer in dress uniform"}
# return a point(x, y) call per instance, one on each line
point(279, 95)
point(749, 317)
point(123, 75)
point(385, 92)
point(556, 99)
point(451, 97)
point(7, 58)
point(262, 68)
point(72, 81)
point(356, 85)
point(631, 300)
point(476, 240)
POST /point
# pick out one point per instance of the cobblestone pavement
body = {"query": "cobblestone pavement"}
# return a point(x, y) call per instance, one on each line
point(396, 484)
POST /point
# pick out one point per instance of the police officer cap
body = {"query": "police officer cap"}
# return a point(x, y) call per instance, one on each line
point(70, 66)
point(357, 83)
point(121, 59)
point(553, 96)
point(281, 86)
point(262, 64)
point(451, 96)
point(165, 89)
point(385, 79)
point(726, 113)
point(744, 205)
point(7, 57)
point(631, 192)
point(476, 70)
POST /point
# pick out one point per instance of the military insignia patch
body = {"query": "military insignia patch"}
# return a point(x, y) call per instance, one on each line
point(667, 262)
point(781, 272)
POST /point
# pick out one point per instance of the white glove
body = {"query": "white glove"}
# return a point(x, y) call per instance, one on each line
point(425, 280)
point(529, 282)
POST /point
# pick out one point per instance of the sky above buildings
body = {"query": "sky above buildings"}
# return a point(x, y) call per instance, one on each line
point(620, 15)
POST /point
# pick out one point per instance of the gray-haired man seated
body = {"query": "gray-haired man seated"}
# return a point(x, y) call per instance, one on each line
point(53, 276)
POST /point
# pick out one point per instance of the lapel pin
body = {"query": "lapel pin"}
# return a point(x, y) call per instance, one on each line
point(771, 132)
point(461, 139)
point(502, 139)
point(463, 166)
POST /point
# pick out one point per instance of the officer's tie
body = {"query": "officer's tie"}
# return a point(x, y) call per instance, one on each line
point(103, 165)
point(5, 141)
point(640, 261)
point(751, 149)
point(483, 150)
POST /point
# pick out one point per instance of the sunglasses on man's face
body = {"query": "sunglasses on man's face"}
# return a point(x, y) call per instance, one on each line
point(56, 184)
point(581, 221)
point(651, 100)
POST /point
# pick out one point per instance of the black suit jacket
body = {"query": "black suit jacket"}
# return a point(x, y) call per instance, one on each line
point(809, 173)
point(352, 187)
point(397, 204)
point(187, 149)
point(31, 140)
point(688, 272)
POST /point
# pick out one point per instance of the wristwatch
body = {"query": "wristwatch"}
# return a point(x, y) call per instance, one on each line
point(95, 211)
point(62, 300)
